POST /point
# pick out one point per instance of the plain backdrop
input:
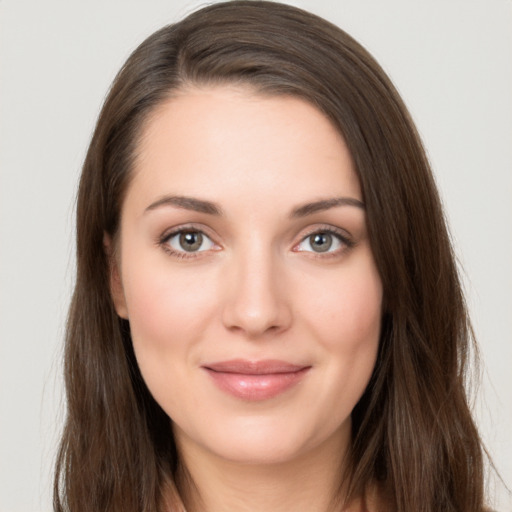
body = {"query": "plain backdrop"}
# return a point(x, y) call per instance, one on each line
point(450, 59)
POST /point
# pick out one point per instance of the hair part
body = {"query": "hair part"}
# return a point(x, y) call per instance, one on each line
point(412, 430)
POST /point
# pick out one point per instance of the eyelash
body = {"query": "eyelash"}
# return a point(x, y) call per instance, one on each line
point(339, 234)
point(167, 236)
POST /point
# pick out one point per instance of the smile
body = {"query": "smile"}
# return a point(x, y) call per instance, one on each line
point(255, 380)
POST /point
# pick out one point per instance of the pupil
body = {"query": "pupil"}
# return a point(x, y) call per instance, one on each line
point(321, 242)
point(191, 241)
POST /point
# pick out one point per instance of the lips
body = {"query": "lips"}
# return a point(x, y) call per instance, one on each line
point(255, 380)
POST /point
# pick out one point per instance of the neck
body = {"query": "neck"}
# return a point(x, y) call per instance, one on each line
point(311, 481)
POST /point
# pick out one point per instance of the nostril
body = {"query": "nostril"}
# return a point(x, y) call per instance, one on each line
point(257, 323)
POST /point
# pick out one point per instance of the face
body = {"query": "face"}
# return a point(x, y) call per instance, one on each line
point(245, 271)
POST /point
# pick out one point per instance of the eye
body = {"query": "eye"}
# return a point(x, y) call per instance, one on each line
point(189, 241)
point(324, 241)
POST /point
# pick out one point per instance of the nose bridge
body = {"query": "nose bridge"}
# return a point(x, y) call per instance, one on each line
point(256, 302)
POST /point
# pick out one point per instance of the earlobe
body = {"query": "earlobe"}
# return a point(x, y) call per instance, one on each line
point(116, 285)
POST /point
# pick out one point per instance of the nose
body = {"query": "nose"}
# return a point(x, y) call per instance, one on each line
point(256, 302)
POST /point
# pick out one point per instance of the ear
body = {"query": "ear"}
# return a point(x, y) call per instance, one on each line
point(116, 286)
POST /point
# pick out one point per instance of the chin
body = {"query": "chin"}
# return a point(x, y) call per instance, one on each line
point(259, 451)
point(263, 441)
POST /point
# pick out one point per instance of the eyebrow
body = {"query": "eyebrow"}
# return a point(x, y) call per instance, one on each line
point(210, 208)
point(186, 203)
point(325, 204)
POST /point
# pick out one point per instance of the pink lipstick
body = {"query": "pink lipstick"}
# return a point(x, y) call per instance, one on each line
point(255, 380)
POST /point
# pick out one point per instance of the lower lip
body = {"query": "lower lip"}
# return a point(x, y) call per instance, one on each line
point(256, 387)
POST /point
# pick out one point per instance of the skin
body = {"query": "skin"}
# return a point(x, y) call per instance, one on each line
point(257, 289)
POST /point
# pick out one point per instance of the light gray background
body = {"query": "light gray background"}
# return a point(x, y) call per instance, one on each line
point(452, 62)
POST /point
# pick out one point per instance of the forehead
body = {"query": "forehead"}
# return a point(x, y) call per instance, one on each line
point(230, 141)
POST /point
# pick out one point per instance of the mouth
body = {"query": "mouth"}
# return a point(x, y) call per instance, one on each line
point(255, 380)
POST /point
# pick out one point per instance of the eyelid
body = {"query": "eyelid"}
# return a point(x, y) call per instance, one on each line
point(164, 238)
point(189, 226)
point(342, 235)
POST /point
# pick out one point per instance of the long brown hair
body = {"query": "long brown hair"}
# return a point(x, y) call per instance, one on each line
point(412, 429)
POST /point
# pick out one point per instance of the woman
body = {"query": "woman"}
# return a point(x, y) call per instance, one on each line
point(267, 313)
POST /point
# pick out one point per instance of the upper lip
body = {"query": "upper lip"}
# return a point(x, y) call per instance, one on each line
point(262, 367)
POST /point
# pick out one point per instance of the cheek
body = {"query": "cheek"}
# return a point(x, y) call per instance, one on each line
point(347, 308)
point(167, 310)
point(345, 315)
